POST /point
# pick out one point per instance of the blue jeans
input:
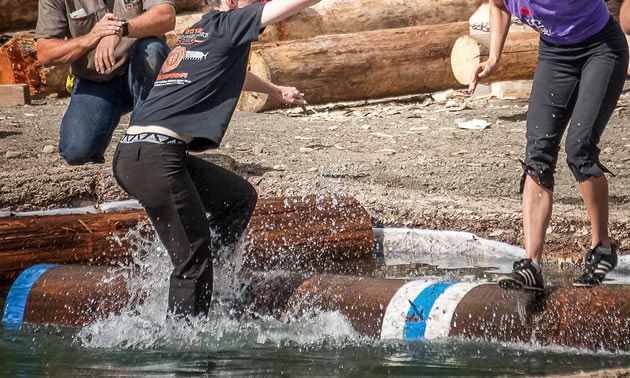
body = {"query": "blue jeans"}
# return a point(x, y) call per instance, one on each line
point(96, 107)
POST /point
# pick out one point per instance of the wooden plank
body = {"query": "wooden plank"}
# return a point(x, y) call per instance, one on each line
point(14, 94)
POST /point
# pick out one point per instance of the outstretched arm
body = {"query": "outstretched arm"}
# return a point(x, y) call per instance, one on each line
point(500, 19)
point(278, 10)
point(285, 95)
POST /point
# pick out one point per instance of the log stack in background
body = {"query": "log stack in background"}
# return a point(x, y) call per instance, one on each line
point(358, 66)
point(18, 63)
point(328, 17)
point(344, 16)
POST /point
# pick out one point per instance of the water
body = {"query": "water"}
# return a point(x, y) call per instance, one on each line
point(263, 348)
point(142, 342)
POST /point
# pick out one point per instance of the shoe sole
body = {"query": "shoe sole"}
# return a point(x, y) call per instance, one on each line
point(507, 283)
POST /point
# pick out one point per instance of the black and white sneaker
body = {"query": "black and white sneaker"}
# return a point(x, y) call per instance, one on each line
point(524, 276)
point(596, 266)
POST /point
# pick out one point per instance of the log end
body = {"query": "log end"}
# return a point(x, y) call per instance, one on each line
point(465, 56)
point(253, 101)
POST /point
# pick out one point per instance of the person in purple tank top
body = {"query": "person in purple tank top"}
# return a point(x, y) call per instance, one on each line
point(580, 73)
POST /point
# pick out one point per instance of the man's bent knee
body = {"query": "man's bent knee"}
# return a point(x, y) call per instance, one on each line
point(79, 156)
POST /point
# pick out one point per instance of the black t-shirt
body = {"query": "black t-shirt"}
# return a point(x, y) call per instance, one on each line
point(201, 80)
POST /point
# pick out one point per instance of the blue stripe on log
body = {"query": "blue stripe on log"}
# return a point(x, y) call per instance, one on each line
point(416, 320)
point(16, 299)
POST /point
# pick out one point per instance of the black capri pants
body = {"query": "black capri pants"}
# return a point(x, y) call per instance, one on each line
point(186, 197)
point(580, 83)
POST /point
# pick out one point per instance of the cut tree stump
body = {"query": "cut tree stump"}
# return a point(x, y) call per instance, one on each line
point(19, 65)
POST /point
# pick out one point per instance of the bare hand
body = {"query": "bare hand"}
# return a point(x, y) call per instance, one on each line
point(482, 71)
point(107, 26)
point(104, 59)
point(291, 96)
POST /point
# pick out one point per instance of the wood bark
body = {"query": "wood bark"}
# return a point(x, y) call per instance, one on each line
point(358, 66)
point(19, 65)
point(571, 317)
point(62, 239)
point(324, 235)
point(309, 234)
point(518, 60)
point(351, 16)
point(76, 295)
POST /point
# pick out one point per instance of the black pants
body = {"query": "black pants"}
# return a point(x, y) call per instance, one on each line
point(177, 190)
point(581, 83)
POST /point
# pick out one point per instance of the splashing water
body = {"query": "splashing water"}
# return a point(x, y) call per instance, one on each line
point(146, 326)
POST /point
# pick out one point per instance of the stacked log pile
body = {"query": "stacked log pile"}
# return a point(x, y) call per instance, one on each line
point(340, 66)
point(330, 17)
point(357, 66)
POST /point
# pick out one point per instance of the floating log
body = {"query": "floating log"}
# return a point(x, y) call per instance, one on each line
point(357, 66)
point(65, 238)
point(518, 60)
point(19, 65)
point(348, 16)
point(429, 308)
point(298, 233)
point(68, 295)
point(319, 234)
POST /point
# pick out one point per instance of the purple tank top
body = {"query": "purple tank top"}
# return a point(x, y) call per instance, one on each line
point(561, 22)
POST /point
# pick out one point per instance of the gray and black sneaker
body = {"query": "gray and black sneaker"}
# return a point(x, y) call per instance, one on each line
point(596, 266)
point(524, 276)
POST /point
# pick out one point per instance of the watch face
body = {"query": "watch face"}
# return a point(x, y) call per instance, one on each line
point(125, 27)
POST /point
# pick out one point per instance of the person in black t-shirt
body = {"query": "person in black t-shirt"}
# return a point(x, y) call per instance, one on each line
point(197, 207)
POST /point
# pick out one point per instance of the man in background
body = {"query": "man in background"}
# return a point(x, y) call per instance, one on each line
point(115, 49)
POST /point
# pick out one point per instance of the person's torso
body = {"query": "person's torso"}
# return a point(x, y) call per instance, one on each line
point(200, 82)
point(561, 21)
point(81, 16)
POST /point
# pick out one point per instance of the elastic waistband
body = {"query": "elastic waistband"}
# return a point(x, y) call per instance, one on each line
point(150, 138)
